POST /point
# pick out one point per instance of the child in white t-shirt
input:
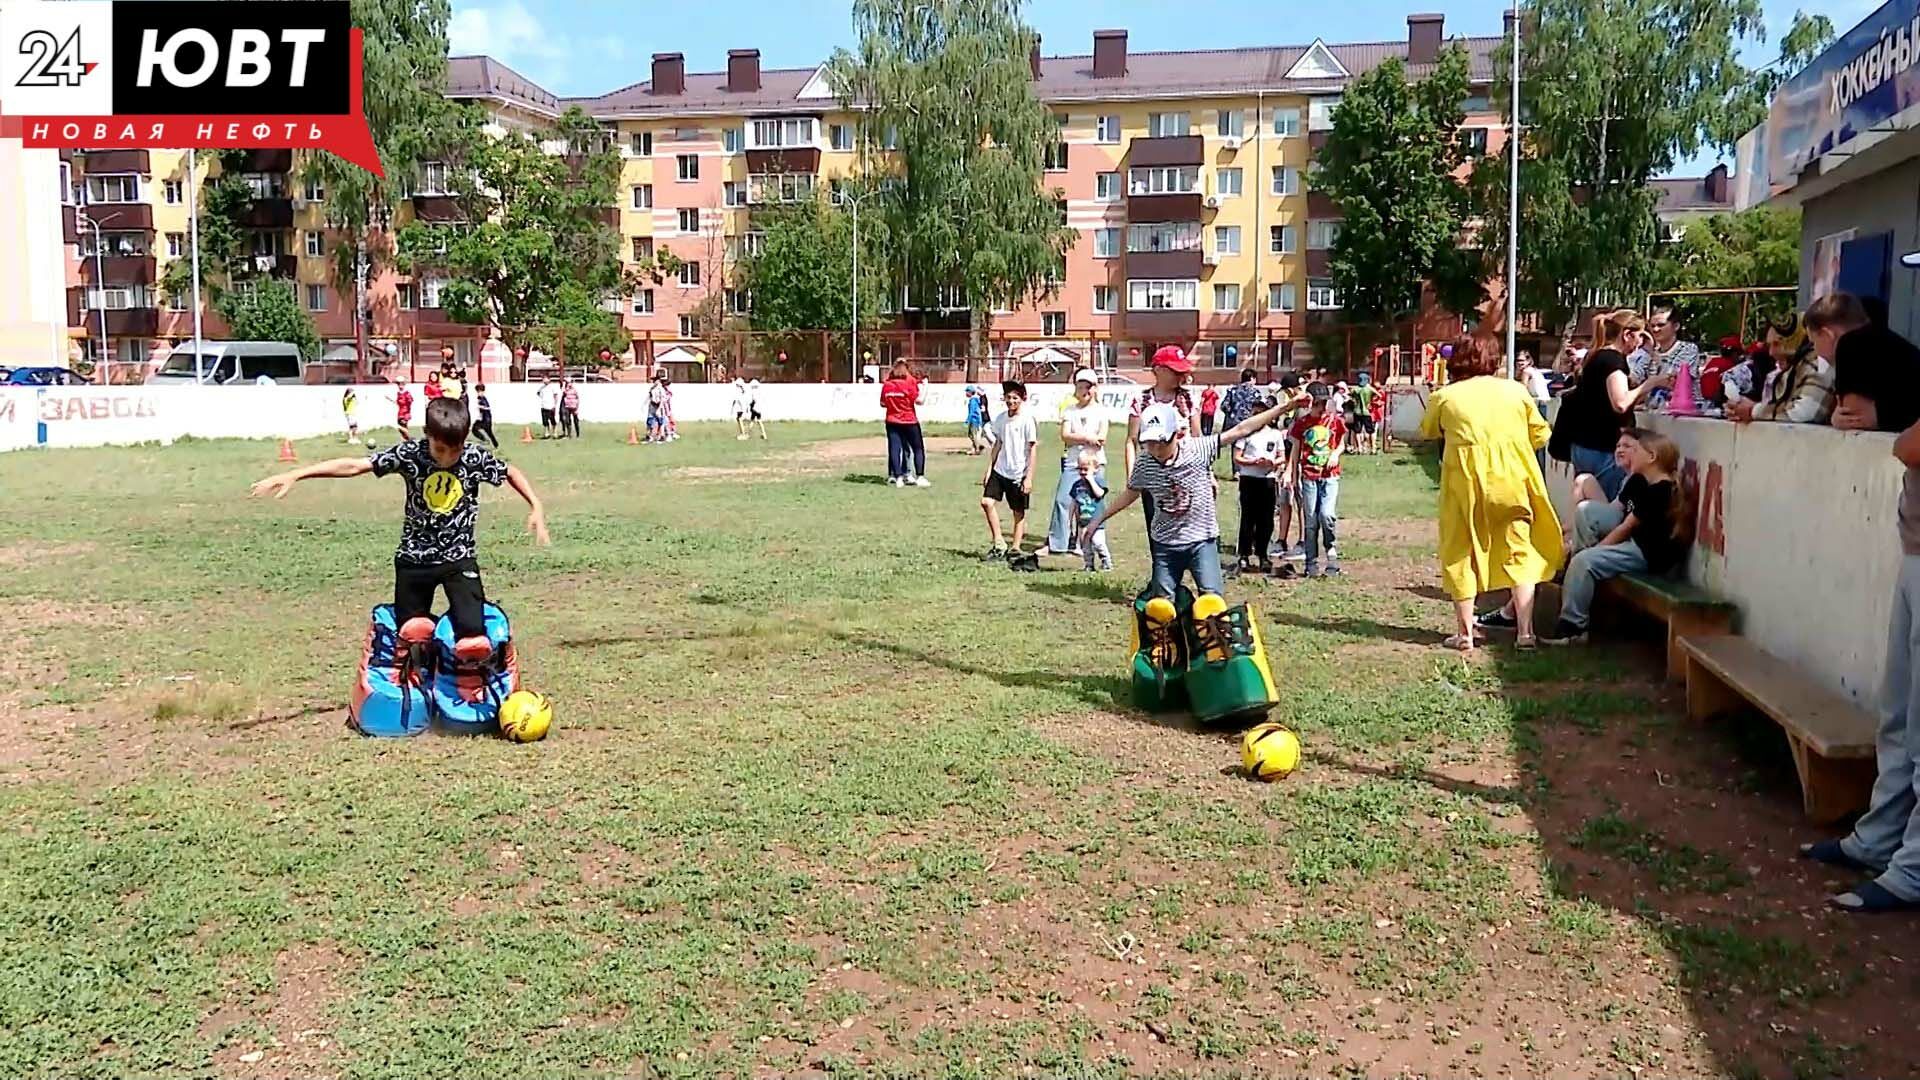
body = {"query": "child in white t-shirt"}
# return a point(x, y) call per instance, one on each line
point(1259, 456)
point(1013, 435)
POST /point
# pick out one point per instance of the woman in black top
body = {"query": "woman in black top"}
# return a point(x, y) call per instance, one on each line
point(1601, 404)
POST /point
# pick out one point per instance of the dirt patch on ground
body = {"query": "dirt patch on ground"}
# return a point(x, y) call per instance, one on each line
point(136, 735)
point(759, 474)
point(30, 553)
point(299, 1042)
point(43, 614)
point(869, 448)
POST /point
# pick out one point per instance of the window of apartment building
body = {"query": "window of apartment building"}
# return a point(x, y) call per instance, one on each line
point(733, 140)
point(1672, 232)
point(890, 139)
point(1163, 295)
point(176, 243)
point(643, 302)
point(430, 290)
point(734, 192)
point(1473, 141)
point(643, 249)
point(1283, 239)
point(1164, 236)
point(640, 143)
point(1282, 297)
point(266, 185)
point(778, 134)
point(1056, 159)
point(643, 196)
point(840, 136)
point(1164, 180)
point(1226, 239)
point(316, 298)
point(1247, 353)
point(740, 301)
point(1321, 295)
point(689, 274)
point(1106, 299)
point(1320, 113)
point(403, 295)
point(689, 219)
point(1163, 125)
point(177, 301)
point(1286, 180)
point(686, 326)
point(433, 179)
point(68, 194)
point(1321, 234)
point(780, 188)
point(1107, 129)
point(753, 243)
point(687, 166)
point(263, 242)
point(1053, 324)
point(1286, 122)
point(117, 298)
point(316, 244)
point(1106, 243)
point(314, 191)
point(113, 189)
point(1227, 183)
point(1233, 123)
point(112, 244)
point(1226, 298)
point(1476, 103)
point(1106, 187)
point(172, 192)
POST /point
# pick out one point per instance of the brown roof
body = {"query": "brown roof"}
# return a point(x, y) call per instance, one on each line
point(1062, 78)
point(1687, 193)
point(483, 76)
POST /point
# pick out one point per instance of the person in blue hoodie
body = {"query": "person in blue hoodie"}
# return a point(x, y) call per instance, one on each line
point(977, 419)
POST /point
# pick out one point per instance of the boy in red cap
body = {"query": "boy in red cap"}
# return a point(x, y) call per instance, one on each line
point(1170, 370)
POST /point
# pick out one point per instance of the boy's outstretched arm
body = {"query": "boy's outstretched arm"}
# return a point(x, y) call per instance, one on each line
point(279, 484)
point(1127, 498)
point(537, 519)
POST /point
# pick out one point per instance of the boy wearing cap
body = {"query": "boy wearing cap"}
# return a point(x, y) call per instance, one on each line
point(1170, 370)
point(976, 419)
point(1176, 472)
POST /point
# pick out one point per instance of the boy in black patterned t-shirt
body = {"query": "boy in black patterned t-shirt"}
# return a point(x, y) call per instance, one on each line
point(437, 550)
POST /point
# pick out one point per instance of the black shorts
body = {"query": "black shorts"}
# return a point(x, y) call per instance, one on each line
point(546, 417)
point(1363, 424)
point(1000, 488)
point(413, 586)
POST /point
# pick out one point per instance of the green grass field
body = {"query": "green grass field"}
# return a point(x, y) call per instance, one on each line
point(828, 797)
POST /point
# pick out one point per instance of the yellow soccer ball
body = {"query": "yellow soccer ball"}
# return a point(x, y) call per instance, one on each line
point(525, 716)
point(1270, 751)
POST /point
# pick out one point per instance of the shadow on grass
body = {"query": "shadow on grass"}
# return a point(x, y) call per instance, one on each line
point(1358, 627)
point(1101, 587)
point(863, 478)
point(1101, 691)
point(1427, 592)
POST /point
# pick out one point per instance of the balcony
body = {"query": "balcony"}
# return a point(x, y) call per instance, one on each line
point(1315, 141)
point(279, 266)
point(1182, 326)
point(436, 209)
point(121, 217)
point(1321, 205)
point(1148, 209)
point(103, 162)
point(793, 159)
point(128, 322)
point(76, 309)
point(606, 215)
point(267, 161)
point(1164, 264)
point(118, 269)
point(70, 223)
point(1166, 150)
point(268, 214)
point(1319, 262)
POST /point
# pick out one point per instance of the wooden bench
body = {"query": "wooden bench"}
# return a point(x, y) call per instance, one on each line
point(1687, 610)
point(1831, 737)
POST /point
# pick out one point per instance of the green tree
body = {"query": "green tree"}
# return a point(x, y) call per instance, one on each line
point(1760, 246)
point(1390, 162)
point(1806, 37)
point(404, 81)
point(1615, 92)
point(802, 278)
point(535, 247)
point(269, 310)
point(224, 255)
point(948, 97)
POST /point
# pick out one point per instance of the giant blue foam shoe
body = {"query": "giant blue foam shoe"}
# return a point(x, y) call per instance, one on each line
point(471, 677)
point(390, 695)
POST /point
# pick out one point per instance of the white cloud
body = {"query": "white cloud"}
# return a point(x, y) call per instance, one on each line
point(507, 31)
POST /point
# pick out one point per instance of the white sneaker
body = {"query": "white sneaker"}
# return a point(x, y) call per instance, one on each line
point(740, 438)
point(894, 481)
point(921, 481)
point(1332, 553)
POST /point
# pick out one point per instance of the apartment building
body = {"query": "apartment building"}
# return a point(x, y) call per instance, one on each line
point(1184, 174)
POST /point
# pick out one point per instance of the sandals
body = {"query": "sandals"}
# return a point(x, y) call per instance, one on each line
point(1526, 644)
point(1458, 643)
point(1870, 898)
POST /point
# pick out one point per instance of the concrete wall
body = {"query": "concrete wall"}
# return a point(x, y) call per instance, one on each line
point(33, 299)
point(1796, 526)
point(1882, 201)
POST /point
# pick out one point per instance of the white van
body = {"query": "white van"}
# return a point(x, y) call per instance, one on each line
point(231, 363)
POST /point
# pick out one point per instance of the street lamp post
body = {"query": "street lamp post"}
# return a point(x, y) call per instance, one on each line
point(853, 352)
point(1513, 196)
point(100, 275)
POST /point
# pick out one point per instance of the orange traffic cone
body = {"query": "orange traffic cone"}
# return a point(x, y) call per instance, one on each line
point(286, 451)
point(526, 434)
point(633, 435)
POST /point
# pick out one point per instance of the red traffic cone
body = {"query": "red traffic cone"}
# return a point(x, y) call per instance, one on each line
point(526, 434)
point(633, 435)
point(286, 451)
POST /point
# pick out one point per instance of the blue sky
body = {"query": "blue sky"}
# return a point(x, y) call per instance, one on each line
point(590, 46)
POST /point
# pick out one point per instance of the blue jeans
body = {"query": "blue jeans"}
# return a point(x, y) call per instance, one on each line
point(1888, 834)
point(1202, 560)
point(1062, 535)
point(1319, 502)
point(1591, 565)
point(906, 451)
point(1604, 469)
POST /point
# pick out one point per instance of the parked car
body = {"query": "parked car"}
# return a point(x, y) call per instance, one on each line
point(42, 376)
point(231, 363)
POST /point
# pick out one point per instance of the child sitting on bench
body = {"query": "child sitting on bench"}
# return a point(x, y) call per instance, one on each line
point(1645, 530)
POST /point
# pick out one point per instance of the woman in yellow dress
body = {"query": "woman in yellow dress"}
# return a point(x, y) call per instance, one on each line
point(1497, 526)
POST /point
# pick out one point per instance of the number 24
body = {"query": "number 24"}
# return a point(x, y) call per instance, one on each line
point(55, 63)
